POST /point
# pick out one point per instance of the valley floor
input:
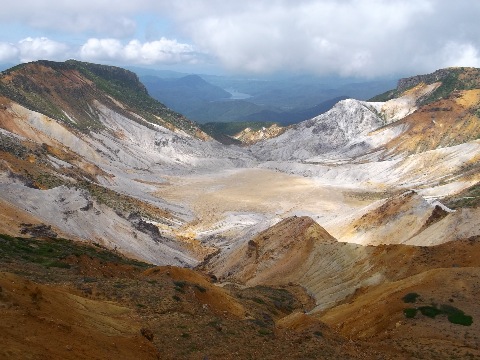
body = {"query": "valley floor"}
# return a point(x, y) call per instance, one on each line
point(238, 200)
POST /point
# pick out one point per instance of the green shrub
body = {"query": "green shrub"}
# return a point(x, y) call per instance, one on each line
point(58, 264)
point(430, 311)
point(200, 288)
point(180, 284)
point(409, 313)
point(258, 300)
point(410, 297)
point(264, 332)
point(460, 319)
point(449, 309)
point(456, 316)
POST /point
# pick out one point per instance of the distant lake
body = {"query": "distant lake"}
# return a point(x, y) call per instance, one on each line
point(237, 95)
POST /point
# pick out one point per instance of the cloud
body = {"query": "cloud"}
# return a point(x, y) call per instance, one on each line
point(455, 54)
point(162, 51)
point(350, 37)
point(8, 52)
point(87, 16)
point(31, 49)
point(120, 27)
point(159, 51)
point(101, 49)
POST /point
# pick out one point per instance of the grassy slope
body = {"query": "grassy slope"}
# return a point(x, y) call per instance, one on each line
point(52, 88)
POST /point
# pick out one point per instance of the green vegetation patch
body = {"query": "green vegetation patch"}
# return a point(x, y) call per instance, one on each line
point(468, 198)
point(53, 252)
point(120, 203)
point(200, 288)
point(454, 315)
point(124, 86)
point(264, 332)
point(460, 319)
point(410, 313)
point(387, 95)
point(430, 311)
point(410, 297)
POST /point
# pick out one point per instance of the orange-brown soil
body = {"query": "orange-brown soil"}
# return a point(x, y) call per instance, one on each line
point(98, 308)
point(442, 123)
point(50, 322)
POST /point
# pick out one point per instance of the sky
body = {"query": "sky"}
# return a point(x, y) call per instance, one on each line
point(348, 38)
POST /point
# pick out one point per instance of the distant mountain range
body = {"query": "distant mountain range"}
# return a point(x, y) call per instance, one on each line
point(285, 101)
point(185, 93)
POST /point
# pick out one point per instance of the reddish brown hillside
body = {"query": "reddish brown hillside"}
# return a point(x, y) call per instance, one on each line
point(275, 253)
point(445, 122)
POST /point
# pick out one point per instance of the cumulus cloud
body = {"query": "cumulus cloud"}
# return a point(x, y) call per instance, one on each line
point(31, 49)
point(163, 51)
point(159, 51)
point(8, 52)
point(352, 37)
point(348, 37)
point(101, 49)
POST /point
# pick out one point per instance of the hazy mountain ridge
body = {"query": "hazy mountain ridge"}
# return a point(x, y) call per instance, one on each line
point(185, 93)
point(284, 100)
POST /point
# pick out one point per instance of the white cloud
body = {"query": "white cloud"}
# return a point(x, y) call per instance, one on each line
point(163, 51)
point(8, 52)
point(101, 49)
point(455, 54)
point(31, 49)
point(91, 16)
point(346, 37)
point(350, 37)
point(159, 51)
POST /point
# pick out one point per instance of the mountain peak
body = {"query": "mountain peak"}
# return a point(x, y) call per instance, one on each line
point(67, 91)
point(192, 80)
point(450, 80)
